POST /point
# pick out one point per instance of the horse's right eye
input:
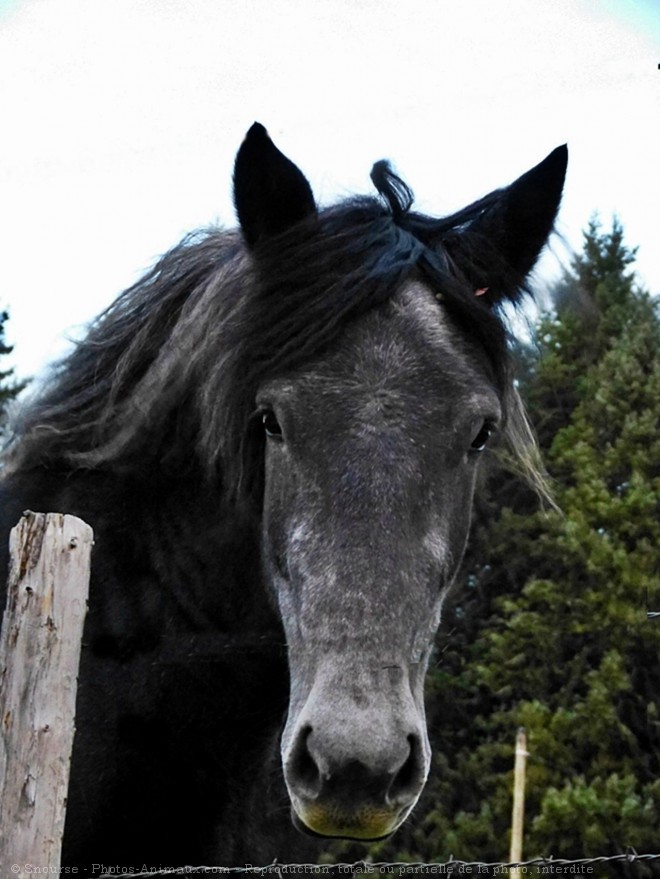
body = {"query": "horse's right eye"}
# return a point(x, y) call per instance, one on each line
point(271, 424)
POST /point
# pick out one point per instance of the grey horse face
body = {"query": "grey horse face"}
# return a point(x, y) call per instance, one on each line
point(371, 457)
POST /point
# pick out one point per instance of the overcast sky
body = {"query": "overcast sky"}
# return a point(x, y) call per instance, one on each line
point(119, 122)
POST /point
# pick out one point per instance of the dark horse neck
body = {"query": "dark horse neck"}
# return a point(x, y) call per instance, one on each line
point(178, 613)
point(184, 569)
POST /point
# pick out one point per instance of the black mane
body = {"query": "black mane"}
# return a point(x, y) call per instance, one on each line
point(210, 322)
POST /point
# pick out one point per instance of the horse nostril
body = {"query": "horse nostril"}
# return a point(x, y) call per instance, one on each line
point(410, 777)
point(302, 767)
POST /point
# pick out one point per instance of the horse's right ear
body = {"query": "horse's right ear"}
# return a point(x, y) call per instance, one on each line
point(270, 192)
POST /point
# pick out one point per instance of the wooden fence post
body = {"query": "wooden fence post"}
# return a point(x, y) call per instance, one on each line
point(518, 811)
point(39, 657)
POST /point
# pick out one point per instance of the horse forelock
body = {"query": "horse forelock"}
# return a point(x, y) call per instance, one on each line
point(170, 371)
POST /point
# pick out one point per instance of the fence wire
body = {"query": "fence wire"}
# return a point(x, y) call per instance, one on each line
point(543, 866)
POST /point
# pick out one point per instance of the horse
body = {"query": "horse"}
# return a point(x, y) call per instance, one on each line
point(275, 435)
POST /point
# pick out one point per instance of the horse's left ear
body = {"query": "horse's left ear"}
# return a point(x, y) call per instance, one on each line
point(515, 226)
point(270, 192)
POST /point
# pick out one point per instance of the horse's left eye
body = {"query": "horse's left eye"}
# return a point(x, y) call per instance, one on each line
point(271, 424)
point(480, 441)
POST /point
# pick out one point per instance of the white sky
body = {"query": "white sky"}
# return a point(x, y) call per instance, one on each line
point(119, 122)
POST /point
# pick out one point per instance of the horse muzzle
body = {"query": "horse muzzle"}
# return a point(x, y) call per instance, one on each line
point(356, 775)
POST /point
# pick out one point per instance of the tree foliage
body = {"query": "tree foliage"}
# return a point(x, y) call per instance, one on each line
point(10, 386)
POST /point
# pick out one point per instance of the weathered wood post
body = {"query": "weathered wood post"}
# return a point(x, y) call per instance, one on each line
point(39, 656)
point(518, 811)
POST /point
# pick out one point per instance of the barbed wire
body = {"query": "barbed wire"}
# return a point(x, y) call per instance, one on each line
point(548, 865)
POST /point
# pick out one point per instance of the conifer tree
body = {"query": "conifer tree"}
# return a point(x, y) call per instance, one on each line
point(10, 386)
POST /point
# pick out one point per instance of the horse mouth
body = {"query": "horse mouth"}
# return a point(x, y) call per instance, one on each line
point(366, 825)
